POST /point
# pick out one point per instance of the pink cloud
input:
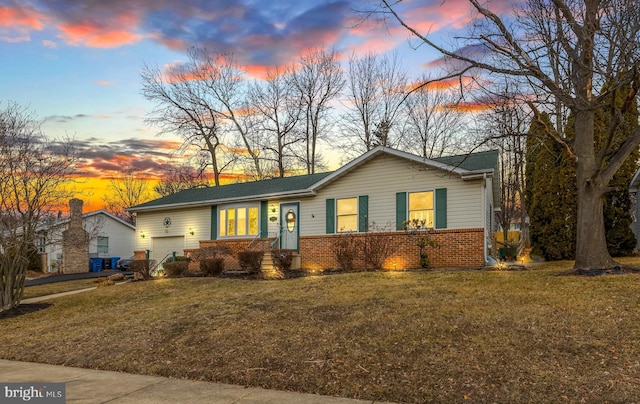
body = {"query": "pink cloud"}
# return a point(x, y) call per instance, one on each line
point(103, 83)
point(49, 44)
point(23, 17)
point(93, 36)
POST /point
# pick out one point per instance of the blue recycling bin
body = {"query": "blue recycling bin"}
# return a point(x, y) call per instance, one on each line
point(96, 264)
point(114, 262)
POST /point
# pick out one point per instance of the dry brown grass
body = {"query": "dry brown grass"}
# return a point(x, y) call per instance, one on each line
point(58, 287)
point(443, 336)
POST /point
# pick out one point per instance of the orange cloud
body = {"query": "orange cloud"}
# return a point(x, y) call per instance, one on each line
point(25, 17)
point(103, 82)
point(120, 32)
point(442, 85)
point(470, 106)
point(85, 34)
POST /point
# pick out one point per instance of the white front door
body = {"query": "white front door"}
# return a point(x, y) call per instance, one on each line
point(290, 232)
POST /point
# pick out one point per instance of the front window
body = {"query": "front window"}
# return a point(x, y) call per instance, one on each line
point(421, 209)
point(347, 215)
point(239, 222)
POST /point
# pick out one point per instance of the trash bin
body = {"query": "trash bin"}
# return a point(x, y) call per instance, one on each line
point(114, 262)
point(106, 263)
point(96, 264)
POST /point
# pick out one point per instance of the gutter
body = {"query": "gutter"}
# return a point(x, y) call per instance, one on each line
point(184, 205)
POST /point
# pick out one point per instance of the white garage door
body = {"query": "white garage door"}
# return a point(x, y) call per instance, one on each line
point(163, 246)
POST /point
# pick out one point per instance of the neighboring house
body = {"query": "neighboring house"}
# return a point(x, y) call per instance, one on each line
point(109, 236)
point(456, 196)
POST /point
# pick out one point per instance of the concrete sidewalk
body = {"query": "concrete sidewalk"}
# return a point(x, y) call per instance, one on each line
point(98, 386)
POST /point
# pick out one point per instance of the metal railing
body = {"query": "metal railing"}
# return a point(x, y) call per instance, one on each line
point(153, 271)
point(275, 235)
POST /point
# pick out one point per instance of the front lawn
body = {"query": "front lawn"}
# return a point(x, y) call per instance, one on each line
point(443, 336)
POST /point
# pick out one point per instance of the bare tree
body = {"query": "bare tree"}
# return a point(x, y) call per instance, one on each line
point(224, 82)
point(505, 126)
point(318, 80)
point(183, 105)
point(278, 108)
point(376, 88)
point(126, 191)
point(35, 176)
point(433, 122)
point(181, 177)
point(361, 117)
point(575, 53)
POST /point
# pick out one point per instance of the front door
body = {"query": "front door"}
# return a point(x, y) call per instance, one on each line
point(290, 231)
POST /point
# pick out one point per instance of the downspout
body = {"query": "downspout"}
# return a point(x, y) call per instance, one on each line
point(484, 215)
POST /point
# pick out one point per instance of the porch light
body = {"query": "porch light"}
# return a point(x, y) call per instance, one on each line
point(191, 231)
point(142, 234)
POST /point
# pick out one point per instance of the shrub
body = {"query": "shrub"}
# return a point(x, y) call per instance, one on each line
point(180, 258)
point(250, 260)
point(143, 268)
point(212, 266)
point(376, 246)
point(346, 248)
point(282, 259)
point(176, 269)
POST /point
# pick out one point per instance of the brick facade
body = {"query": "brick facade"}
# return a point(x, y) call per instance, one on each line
point(455, 248)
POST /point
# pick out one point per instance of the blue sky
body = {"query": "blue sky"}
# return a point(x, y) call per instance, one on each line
point(77, 63)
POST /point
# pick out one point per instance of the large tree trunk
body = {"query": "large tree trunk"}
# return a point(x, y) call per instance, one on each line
point(591, 244)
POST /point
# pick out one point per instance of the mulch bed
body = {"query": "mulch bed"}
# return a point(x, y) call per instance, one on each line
point(24, 309)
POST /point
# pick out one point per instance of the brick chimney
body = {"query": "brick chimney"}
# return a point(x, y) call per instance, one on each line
point(75, 241)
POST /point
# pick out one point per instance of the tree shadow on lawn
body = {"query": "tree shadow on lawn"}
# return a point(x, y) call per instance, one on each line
point(24, 309)
point(620, 269)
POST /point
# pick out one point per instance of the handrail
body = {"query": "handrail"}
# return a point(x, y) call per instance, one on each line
point(154, 271)
point(275, 241)
point(275, 235)
point(254, 240)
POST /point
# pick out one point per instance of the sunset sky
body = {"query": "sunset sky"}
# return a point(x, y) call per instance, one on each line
point(77, 63)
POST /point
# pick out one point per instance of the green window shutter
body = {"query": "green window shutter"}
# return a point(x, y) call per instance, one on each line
point(331, 216)
point(214, 222)
point(363, 214)
point(441, 208)
point(264, 219)
point(401, 210)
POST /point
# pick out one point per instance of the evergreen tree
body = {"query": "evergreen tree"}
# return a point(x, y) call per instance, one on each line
point(617, 203)
point(550, 194)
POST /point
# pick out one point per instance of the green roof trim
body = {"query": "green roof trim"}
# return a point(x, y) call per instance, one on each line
point(253, 189)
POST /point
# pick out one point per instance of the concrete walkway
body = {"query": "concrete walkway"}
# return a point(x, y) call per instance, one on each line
point(53, 296)
point(98, 386)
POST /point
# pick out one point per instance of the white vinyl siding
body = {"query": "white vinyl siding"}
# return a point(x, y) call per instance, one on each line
point(384, 176)
point(183, 221)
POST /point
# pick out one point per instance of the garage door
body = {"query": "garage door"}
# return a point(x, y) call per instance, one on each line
point(163, 246)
